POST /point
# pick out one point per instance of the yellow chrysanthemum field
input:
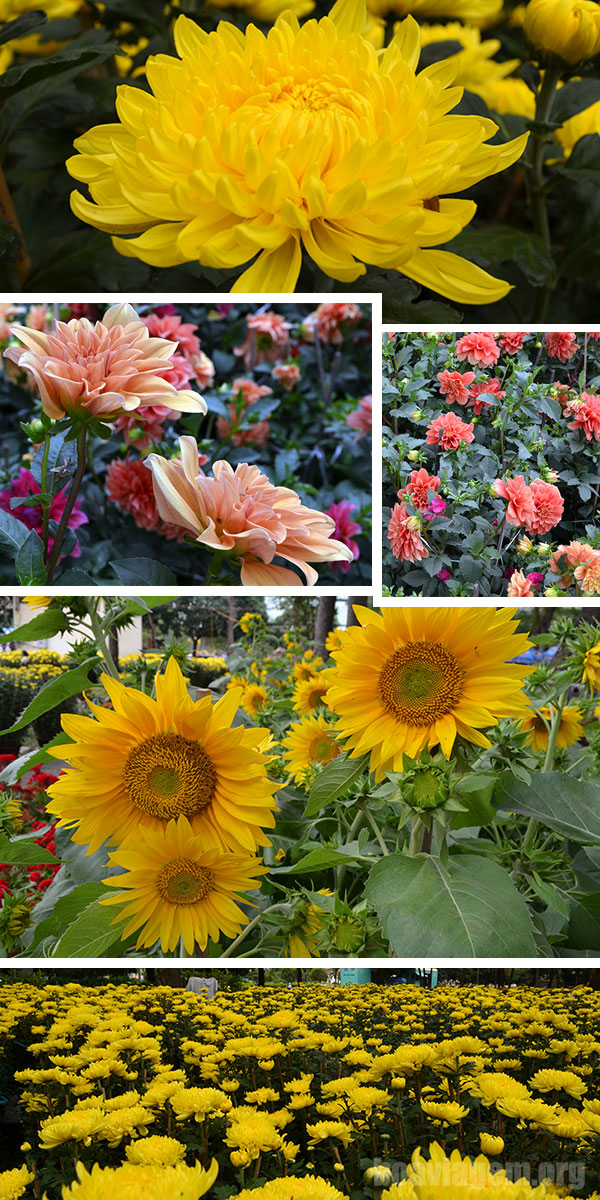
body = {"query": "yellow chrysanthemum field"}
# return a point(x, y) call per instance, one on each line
point(145, 762)
point(253, 148)
point(411, 678)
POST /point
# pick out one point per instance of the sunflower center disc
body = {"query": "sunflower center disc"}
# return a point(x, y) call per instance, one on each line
point(321, 750)
point(421, 682)
point(169, 776)
point(184, 882)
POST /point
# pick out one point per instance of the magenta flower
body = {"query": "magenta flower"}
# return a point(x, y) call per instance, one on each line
point(345, 527)
point(31, 515)
point(435, 507)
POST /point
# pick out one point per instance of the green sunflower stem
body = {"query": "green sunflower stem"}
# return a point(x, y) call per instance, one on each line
point(248, 929)
point(102, 641)
point(77, 480)
point(532, 827)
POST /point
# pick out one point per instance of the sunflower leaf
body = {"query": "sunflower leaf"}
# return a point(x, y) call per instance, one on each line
point(90, 935)
point(45, 625)
point(23, 853)
point(53, 693)
point(569, 807)
point(469, 908)
point(335, 778)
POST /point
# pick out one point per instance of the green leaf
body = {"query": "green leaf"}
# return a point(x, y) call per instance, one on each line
point(53, 693)
point(322, 858)
point(88, 50)
point(569, 806)
point(15, 770)
point(23, 853)
point(475, 794)
point(29, 563)
point(549, 895)
point(142, 570)
point(83, 867)
point(573, 97)
point(469, 909)
point(22, 25)
point(503, 243)
point(90, 934)
point(62, 460)
point(12, 532)
point(337, 777)
point(65, 910)
point(44, 626)
point(584, 923)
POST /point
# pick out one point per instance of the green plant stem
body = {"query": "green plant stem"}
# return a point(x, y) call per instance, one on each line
point(69, 506)
point(248, 929)
point(45, 505)
point(376, 831)
point(539, 211)
point(102, 641)
point(532, 827)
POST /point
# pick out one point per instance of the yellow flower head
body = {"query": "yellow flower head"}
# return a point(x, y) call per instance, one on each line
point(295, 1187)
point(570, 729)
point(255, 698)
point(177, 888)
point(309, 694)
point(591, 667)
point(130, 1181)
point(490, 1144)
point(145, 762)
point(568, 28)
point(410, 678)
point(307, 742)
point(477, 11)
point(14, 1183)
point(251, 145)
point(155, 1151)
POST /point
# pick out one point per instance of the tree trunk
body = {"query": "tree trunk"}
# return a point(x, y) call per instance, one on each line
point(171, 977)
point(324, 622)
point(352, 600)
point(232, 612)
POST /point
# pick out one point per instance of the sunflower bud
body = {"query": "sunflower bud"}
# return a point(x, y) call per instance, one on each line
point(568, 28)
point(19, 920)
point(348, 934)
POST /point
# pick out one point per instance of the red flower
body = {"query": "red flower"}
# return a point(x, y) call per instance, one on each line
point(521, 509)
point(362, 417)
point(480, 349)
point(511, 342)
point(587, 415)
point(404, 537)
point(548, 507)
point(455, 386)
point(129, 484)
point(491, 386)
point(448, 431)
point(560, 345)
point(418, 489)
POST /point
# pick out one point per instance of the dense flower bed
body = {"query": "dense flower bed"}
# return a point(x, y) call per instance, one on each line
point(490, 464)
point(191, 444)
point(303, 1092)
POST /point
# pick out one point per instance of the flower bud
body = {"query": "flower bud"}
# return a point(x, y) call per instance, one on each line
point(552, 591)
point(568, 28)
point(544, 549)
point(490, 1144)
point(348, 935)
point(413, 455)
point(378, 1177)
point(524, 545)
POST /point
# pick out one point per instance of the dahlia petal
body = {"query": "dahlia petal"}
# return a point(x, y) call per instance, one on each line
point(157, 246)
point(454, 277)
point(117, 218)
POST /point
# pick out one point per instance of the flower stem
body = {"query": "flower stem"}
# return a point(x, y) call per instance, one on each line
point(45, 505)
point(248, 929)
point(532, 827)
point(102, 642)
point(539, 211)
point(69, 506)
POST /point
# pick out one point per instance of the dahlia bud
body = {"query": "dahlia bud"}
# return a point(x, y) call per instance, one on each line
point(551, 476)
point(490, 1144)
point(524, 545)
point(568, 28)
point(413, 455)
point(418, 414)
point(544, 549)
point(552, 591)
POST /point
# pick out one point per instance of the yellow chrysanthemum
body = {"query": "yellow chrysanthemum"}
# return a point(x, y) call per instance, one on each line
point(453, 1177)
point(476, 69)
point(583, 123)
point(570, 729)
point(14, 1183)
point(449, 1111)
point(304, 138)
point(130, 1181)
point(177, 888)
point(266, 10)
point(309, 694)
point(562, 1081)
point(308, 742)
point(408, 678)
point(295, 1187)
point(478, 11)
point(144, 762)
point(155, 1151)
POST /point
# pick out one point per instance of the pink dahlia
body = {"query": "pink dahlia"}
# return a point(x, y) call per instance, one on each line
point(455, 386)
point(404, 536)
point(243, 514)
point(560, 345)
point(573, 555)
point(328, 320)
point(479, 349)
point(32, 515)
point(521, 510)
point(287, 374)
point(489, 386)
point(520, 584)
point(448, 432)
point(421, 483)
point(511, 343)
point(267, 339)
point(171, 327)
point(129, 484)
point(362, 417)
point(586, 416)
point(548, 506)
point(101, 370)
point(345, 529)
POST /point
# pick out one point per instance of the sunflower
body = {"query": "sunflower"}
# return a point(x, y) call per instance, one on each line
point(570, 729)
point(309, 694)
point(409, 678)
point(301, 941)
point(255, 698)
point(309, 741)
point(143, 762)
point(591, 667)
point(177, 888)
